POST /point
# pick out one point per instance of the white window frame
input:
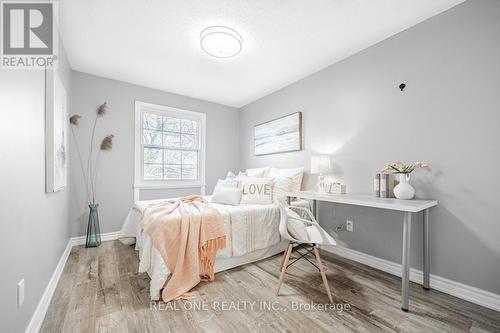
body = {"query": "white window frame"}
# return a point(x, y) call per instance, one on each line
point(139, 181)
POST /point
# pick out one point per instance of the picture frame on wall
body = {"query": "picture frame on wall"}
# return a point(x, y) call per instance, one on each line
point(56, 126)
point(279, 135)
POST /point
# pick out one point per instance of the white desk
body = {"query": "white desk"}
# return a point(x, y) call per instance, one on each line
point(406, 206)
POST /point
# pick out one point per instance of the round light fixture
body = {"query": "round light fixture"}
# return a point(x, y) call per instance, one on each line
point(220, 42)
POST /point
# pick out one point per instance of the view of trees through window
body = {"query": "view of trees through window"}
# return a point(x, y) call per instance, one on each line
point(170, 147)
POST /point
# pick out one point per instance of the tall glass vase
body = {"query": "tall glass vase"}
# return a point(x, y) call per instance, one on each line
point(93, 231)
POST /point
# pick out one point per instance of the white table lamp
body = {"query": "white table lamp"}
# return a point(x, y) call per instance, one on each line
point(321, 165)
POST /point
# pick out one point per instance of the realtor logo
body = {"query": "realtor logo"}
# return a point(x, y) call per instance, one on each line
point(28, 34)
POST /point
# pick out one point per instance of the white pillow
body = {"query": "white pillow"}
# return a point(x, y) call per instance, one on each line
point(227, 195)
point(232, 183)
point(256, 190)
point(258, 172)
point(294, 173)
point(296, 229)
point(281, 186)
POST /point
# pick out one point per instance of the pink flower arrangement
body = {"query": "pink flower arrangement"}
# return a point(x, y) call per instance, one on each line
point(399, 167)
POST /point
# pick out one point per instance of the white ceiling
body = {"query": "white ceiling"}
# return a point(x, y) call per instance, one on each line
point(155, 43)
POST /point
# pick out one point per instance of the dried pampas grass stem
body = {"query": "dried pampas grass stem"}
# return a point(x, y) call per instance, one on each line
point(107, 142)
point(102, 109)
point(90, 174)
point(81, 162)
point(75, 119)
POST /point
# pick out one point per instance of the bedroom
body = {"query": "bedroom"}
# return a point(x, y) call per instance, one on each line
point(269, 113)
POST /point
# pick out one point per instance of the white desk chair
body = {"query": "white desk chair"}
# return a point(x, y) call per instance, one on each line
point(302, 232)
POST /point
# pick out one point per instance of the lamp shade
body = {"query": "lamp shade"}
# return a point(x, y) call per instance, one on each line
point(321, 164)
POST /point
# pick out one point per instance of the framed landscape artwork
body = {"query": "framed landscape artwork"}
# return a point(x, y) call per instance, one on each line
point(56, 124)
point(278, 136)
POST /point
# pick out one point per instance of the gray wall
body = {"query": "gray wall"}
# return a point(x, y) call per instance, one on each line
point(115, 193)
point(33, 223)
point(448, 116)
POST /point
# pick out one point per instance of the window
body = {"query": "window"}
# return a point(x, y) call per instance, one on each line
point(169, 147)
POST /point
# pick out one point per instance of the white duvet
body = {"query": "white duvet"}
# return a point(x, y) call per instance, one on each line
point(249, 229)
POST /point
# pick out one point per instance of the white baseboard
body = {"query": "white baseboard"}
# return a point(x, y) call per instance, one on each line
point(457, 289)
point(104, 237)
point(42, 307)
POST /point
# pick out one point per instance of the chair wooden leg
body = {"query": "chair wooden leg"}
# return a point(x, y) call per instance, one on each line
point(286, 256)
point(323, 276)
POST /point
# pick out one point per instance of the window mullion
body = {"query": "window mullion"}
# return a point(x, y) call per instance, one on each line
point(163, 160)
point(162, 151)
point(182, 165)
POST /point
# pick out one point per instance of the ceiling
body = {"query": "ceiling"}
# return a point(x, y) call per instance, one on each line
point(155, 43)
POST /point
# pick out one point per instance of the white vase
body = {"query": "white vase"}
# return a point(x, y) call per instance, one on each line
point(404, 190)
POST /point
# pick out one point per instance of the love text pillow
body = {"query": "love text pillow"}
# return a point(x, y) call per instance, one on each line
point(256, 190)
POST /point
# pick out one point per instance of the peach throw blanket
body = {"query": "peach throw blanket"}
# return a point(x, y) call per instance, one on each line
point(187, 233)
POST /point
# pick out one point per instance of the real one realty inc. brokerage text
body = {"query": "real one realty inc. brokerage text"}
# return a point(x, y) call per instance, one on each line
point(246, 306)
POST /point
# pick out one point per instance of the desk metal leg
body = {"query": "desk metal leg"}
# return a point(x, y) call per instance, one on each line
point(315, 209)
point(426, 250)
point(405, 278)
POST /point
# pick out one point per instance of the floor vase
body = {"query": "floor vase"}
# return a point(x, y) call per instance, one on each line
point(93, 230)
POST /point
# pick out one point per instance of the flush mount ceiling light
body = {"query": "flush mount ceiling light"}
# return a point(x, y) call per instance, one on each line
point(220, 42)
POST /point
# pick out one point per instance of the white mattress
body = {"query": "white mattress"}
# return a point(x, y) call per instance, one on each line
point(251, 234)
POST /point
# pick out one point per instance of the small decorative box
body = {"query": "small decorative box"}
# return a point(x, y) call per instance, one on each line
point(338, 188)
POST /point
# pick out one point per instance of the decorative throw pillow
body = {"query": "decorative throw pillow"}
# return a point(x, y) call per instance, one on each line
point(256, 190)
point(280, 188)
point(232, 183)
point(294, 173)
point(258, 172)
point(296, 229)
point(227, 195)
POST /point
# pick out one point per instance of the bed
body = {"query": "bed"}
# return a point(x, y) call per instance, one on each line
point(251, 234)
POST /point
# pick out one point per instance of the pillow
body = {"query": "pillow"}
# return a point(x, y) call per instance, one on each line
point(258, 172)
point(256, 190)
point(296, 229)
point(232, 183)
point(281, 186)
point(294, 173)
point(230, 175)
point(227, 195)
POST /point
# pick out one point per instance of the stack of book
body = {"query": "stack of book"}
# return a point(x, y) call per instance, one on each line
point(383, 185)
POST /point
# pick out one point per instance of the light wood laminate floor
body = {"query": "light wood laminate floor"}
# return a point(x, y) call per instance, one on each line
point(101, 291)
